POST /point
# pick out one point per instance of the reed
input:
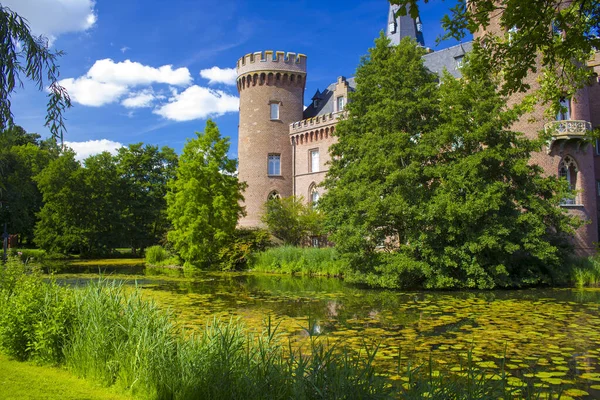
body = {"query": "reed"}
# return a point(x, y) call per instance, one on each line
point(299, 261)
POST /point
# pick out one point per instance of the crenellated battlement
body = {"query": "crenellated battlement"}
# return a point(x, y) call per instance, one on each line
point(270, 60)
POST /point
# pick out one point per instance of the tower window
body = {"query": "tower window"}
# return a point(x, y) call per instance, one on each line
point(314, 160)
point(567, 169)
point(275, 111)
point(392, 27)
point(274, 165)
point(565, 112)
point(340, 103)
point(314, 195)
point(316, 103)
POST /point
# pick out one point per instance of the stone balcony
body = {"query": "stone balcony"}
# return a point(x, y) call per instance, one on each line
point(563, 131)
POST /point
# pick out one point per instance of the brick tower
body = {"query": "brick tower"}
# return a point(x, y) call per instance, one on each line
point(271, 87)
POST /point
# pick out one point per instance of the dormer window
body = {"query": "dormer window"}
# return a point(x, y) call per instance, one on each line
point(340, 103)
point(316, 103)
point(392, 27)
point(459, 61)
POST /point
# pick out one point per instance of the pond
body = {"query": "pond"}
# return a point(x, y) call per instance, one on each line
point(549, 336)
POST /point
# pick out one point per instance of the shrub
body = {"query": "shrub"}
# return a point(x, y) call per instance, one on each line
point(156, 254)
point(35, 316)
point(244, 243)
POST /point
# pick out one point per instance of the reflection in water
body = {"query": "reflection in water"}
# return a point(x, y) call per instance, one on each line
point(547, 335)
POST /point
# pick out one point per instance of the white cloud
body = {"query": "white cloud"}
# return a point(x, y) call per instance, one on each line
point(85, 149)
point(107, 82)
point(141, 99)
point(92, 93)
point(134, 73)
point(124, 49)
point(53, 18)
point(214, 75)
point(197, 103)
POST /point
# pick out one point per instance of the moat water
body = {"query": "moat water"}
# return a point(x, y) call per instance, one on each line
point(550, 337)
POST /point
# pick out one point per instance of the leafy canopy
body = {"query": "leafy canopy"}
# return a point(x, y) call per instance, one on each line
point(204, 200)
point(430, 186)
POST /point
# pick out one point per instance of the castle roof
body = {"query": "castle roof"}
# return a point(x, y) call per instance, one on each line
point(450, 58)
point(326, 102)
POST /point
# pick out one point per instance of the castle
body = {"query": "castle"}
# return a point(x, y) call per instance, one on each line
point(283, 149)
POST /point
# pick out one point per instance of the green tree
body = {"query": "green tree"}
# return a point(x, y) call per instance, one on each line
point(23, 156)
point(145, 171)
point(371, 192)
point(560, 36)
point(204, 200)
point(446, 193)
point(82, 205)
point(63, 215)
point(25, 55)
point(292, 221)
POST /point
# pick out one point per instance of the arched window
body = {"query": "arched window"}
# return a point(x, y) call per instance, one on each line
point(274, 195)
point(313, 194)
point(567, 169)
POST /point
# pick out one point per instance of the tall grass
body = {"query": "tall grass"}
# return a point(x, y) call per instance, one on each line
point(299, 260)
point(109, 333)
point(585, 271)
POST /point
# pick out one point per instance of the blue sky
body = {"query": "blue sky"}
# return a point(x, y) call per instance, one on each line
point(154, 71)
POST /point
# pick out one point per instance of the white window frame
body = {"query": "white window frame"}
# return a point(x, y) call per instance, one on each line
point(311, 160)
point(276, 169)
point(337, 103)
point(274, 109)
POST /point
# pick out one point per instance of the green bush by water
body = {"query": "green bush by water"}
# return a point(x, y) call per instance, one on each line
point(159, 257)
point(35, 316)
point(299, 260)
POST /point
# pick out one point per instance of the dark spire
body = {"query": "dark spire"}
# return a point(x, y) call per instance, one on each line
point(399, 27)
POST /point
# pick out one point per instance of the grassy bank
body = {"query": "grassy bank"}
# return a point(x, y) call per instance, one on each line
point(26, 381)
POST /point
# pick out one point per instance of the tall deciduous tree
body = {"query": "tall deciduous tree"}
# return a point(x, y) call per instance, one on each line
point(204, 199)
point(372, 182)
point(82, 205)
point(437, 179)
point(22, 156)
point(145, 171)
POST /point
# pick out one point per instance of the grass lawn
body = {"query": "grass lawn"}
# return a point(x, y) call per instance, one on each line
point(19, 380)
